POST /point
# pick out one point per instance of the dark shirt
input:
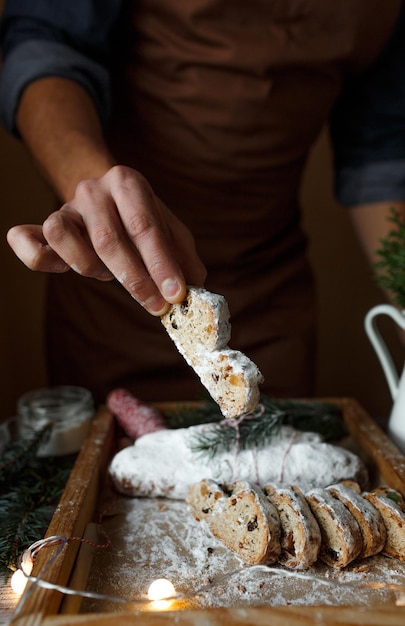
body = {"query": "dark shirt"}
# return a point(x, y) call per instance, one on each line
point(73, 40)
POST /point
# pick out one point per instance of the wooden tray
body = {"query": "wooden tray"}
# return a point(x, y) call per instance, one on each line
point(43, 607)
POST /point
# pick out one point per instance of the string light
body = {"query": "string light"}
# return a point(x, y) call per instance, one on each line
point(18, 582)
point(161, 593)
point(20, 577)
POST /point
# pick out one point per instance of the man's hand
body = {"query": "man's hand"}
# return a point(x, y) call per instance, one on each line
point(115, 227)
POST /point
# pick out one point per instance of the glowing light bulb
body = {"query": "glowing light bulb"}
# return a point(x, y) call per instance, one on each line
point(19, 579)
point(159, 591)
point(18, 582)
point(400, 601)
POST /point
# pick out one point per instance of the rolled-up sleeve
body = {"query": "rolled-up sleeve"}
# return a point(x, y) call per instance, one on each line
point(68, 39)
point(368, 129)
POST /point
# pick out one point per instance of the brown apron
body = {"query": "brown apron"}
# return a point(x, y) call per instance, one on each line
point(217, 103)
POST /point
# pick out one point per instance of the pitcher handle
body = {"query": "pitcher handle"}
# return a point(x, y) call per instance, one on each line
point(379, 344)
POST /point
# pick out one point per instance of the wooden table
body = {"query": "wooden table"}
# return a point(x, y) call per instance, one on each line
point(8, 600)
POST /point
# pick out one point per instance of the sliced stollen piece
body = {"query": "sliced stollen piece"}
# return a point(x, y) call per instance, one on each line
point(200, 329)
point(202, 498)
point(341, 538)
point(353, 484)
point(394, 521)
point(300, 537)
point(370, 522)
point(393, 494)
point(198, 324)
point(243, 520)
point(232, 380)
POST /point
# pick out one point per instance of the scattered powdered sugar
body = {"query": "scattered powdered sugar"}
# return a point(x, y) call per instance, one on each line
point(153, 538)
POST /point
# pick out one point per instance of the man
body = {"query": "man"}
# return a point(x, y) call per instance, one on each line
point(176, 133)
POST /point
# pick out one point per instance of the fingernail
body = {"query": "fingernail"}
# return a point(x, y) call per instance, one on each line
point(156, 305)
point(60, 266)
point(105, 275)
point(170, 288)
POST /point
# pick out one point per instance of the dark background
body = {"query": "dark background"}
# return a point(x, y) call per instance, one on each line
point(347, 364)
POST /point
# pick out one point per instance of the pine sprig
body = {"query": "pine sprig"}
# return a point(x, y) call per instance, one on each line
point(23, 521)
point(390, 269)
point(259, 429)
point(324, 418)
point(18, 455)
point(28, 496)
point(248, 433)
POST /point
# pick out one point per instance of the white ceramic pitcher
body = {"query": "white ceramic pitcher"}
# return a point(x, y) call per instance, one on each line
point(396, 384)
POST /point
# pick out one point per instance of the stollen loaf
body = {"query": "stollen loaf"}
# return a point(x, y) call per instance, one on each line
point(200, 329)
point(166, 463)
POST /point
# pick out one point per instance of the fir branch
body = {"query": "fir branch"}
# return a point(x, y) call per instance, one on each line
point(250, 432)
point(18, 456)
point(390, 269)
point(27, 501)
point(320, 417)
point(23, 521)
point(258, 430)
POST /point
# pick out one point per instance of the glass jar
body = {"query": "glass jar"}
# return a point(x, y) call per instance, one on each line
point(69, 409)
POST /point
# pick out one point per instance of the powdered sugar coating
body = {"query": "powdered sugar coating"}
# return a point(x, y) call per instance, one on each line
point(164, 463)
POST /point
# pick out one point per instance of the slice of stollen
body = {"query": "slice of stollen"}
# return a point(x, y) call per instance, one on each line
point(300, 534)
point(202, 499)
point(232, 380)
point(393, 494)
point(369, 519)
point(394, 521)
point(341, 538)
point(200, 329)
point(198, 324)
point(243, 519)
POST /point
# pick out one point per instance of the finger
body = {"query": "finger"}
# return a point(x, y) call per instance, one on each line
point(30, 246)
point(141, 214)
point(112, 235)
point(65, 232)
point(105, 230)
